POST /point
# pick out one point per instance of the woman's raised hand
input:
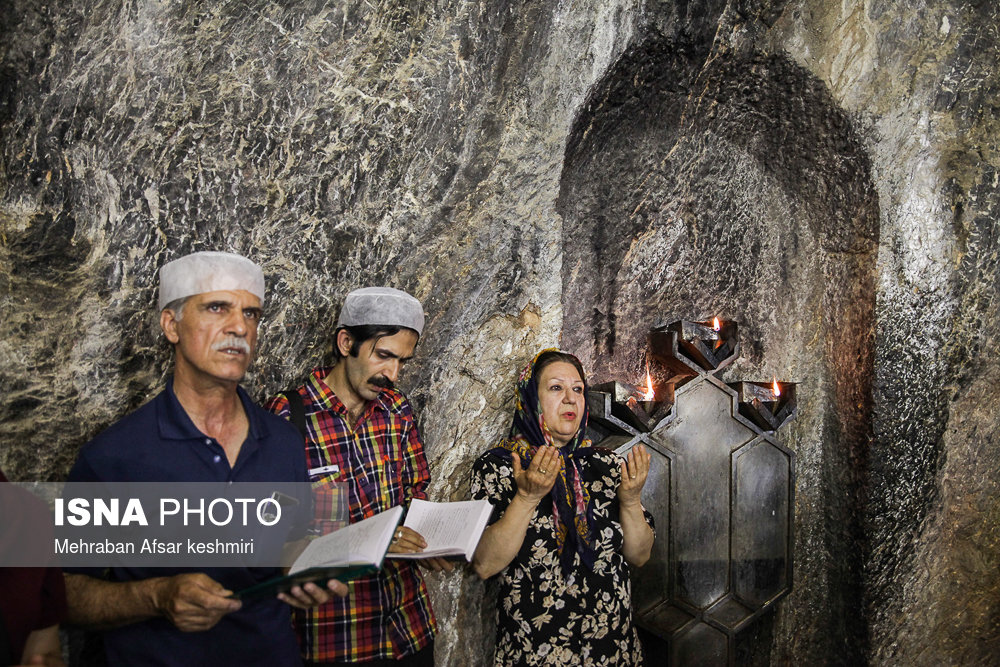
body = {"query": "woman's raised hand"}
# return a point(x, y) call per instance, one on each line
point(535, 483)
point(635, 469)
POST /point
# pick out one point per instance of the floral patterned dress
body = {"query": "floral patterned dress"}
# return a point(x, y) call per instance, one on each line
point(546, 616)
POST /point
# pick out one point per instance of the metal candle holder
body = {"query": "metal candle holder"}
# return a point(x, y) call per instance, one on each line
point(720, 488)
point(760, 404)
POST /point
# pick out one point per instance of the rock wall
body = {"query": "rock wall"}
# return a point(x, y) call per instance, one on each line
point(922, 78)
point(543, 172)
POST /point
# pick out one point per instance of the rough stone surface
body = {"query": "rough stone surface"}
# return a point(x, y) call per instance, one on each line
point(825, 173)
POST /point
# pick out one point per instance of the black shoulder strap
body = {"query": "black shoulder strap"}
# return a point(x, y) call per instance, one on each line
point(297, 411)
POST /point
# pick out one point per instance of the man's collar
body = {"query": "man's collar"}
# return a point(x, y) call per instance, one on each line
point(321, 393)
point(175, 423)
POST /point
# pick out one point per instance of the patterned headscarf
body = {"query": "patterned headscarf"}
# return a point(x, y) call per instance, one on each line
point(570, 498)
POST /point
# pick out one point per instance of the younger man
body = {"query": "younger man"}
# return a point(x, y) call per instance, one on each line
point(361, 432)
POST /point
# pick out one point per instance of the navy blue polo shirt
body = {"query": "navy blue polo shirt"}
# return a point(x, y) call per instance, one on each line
point(159, 443)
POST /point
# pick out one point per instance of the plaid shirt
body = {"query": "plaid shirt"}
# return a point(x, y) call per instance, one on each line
point(387, 615)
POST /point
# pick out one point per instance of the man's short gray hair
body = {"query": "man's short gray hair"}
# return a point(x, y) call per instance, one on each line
point(177, 305)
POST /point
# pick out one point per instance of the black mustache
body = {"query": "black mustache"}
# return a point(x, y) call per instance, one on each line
point(383, 382)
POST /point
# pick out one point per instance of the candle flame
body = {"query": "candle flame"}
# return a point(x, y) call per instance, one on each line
point(716, 324)
point(776, 388)
point(649, 393)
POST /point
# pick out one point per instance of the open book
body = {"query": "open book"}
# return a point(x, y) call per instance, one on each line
point(353, 551)
point(450, 529)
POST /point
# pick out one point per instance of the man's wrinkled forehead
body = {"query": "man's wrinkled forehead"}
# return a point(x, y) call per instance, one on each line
point(228, 298)
point(203, 272)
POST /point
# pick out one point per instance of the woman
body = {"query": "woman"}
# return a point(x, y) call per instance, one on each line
point(567, 518)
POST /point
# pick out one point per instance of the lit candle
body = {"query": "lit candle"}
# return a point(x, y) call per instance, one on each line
point(618, 403)
point(649, 394)
point(766, 404)
point(704, 346)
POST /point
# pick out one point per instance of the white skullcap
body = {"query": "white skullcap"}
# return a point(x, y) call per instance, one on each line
point(381, 306)
point(207, 271)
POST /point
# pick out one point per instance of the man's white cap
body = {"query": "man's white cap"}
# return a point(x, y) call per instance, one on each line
point(381, 306)
point(209, 271)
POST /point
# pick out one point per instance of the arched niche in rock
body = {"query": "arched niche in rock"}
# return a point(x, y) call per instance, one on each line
point(733, 185)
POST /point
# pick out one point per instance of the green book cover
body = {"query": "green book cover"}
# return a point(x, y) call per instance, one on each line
point(353, 551)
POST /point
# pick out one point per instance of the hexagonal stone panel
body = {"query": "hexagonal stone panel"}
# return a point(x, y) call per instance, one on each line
point(762, 484)
point(702, 438)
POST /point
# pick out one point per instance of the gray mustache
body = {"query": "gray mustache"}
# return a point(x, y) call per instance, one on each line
point(234, 343)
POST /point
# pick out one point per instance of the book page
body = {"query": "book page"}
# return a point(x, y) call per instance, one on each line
point(450, 529)
point(364, 542)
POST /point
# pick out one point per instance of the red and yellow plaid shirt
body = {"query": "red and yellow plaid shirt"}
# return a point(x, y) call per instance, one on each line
point(387, 615)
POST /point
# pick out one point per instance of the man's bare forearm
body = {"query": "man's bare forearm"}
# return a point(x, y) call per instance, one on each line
point(102, 605)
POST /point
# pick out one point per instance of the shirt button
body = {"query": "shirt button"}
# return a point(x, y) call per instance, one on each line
point(217, 458)
point(208, 441)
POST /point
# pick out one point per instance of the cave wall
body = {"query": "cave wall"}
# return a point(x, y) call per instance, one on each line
point(538, 173)
point(922, 78)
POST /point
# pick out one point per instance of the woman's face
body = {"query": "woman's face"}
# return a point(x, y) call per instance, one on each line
point(560, 391)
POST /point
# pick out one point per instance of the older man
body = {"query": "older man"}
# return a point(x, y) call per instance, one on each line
point(201, 428)
point(361, 433)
